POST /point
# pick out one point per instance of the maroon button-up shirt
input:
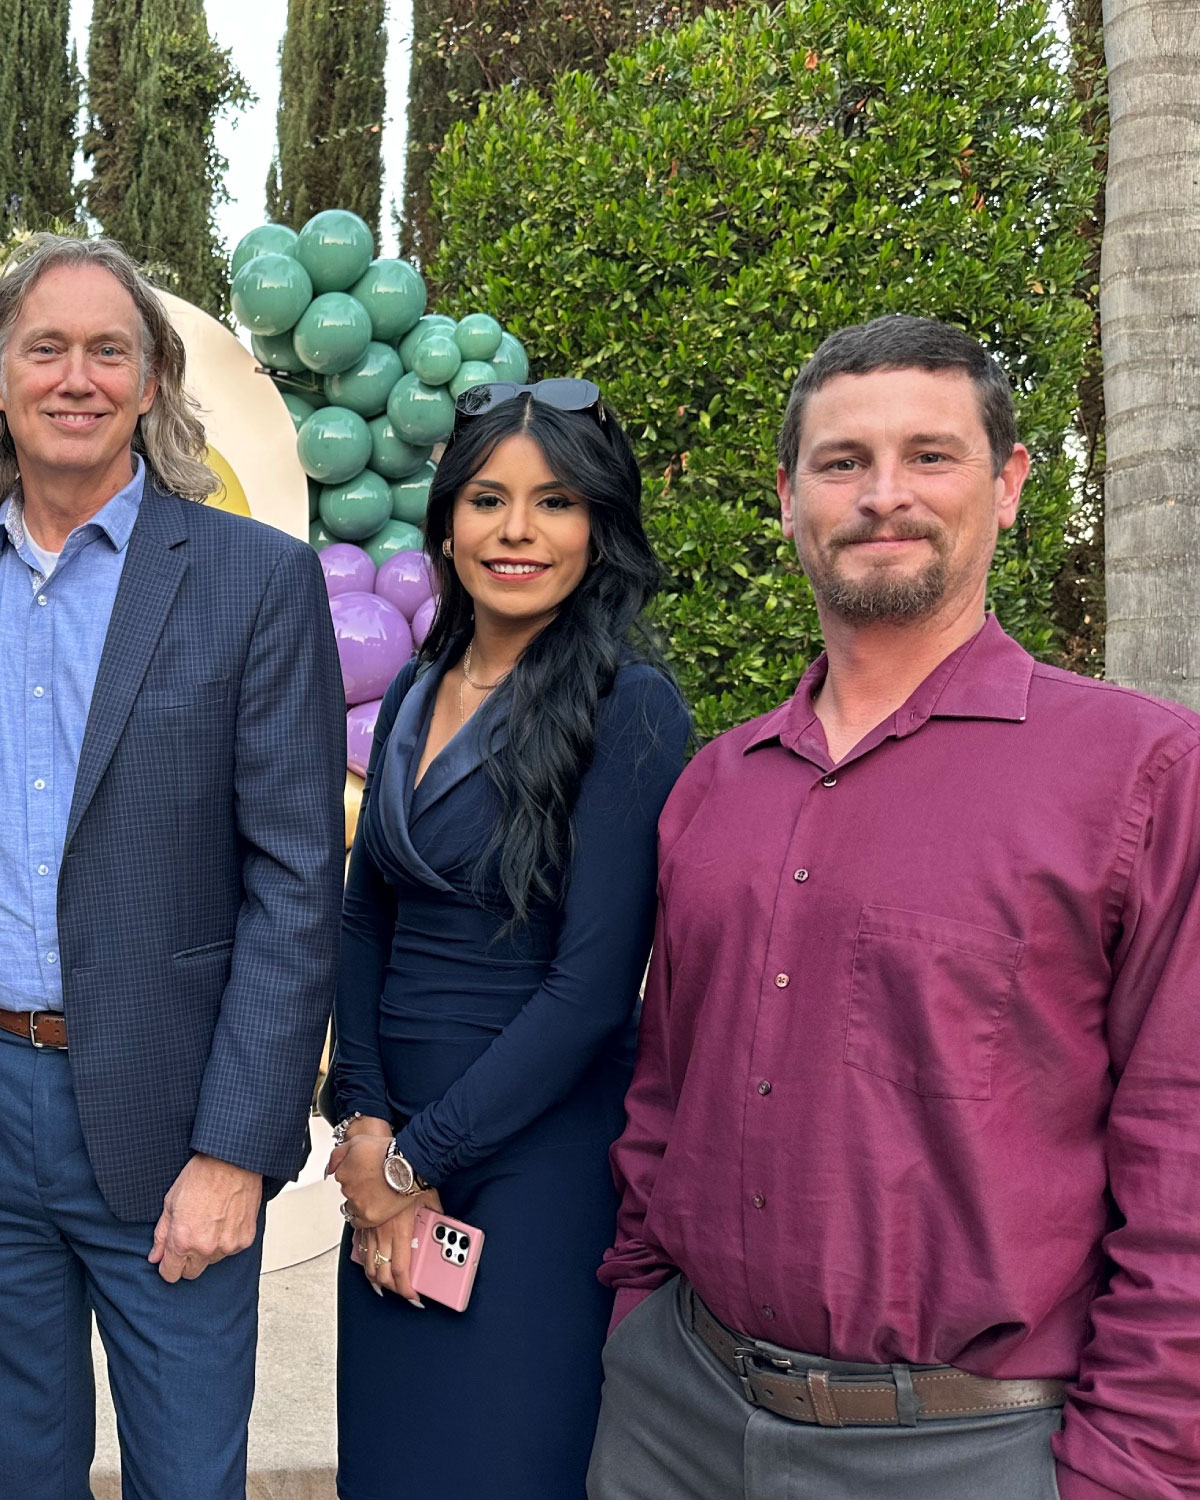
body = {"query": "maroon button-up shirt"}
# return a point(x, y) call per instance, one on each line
point(919, 1075)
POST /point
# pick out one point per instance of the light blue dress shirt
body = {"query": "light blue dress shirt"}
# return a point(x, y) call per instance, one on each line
point(53, 632)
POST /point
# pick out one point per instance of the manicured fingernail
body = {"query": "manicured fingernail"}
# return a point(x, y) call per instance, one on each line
point(378, 1290)
point(415, 1301)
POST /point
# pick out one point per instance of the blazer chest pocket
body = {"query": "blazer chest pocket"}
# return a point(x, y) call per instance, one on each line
point(928, 998)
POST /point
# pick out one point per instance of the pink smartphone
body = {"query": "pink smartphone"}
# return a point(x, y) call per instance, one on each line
point(445, 1258)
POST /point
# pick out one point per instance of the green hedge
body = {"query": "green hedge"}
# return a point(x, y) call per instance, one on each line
point(686, 228)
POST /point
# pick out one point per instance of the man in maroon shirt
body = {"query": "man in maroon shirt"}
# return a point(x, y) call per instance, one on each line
point(912, 1169)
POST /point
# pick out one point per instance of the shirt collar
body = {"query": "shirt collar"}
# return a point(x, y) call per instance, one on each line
point(987, 677)
point(115, 518)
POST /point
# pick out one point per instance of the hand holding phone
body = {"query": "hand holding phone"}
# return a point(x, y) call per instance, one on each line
point(445, 1258)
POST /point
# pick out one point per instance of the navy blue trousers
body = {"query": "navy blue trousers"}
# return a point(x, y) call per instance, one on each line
point(180, 1357)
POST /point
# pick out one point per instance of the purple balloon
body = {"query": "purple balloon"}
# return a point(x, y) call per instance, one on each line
point(422, 620)
point(373, 642)
point(347, 570)
point(360, 726)
point(405, 580)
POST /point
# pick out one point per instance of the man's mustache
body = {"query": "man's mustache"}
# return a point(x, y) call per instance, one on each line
point(886, 531)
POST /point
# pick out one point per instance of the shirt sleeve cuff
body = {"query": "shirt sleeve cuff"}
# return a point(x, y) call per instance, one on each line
point(628, 1298)
point(1072, 1485)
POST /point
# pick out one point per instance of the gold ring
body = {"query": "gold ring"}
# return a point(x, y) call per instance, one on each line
point(382, 1260)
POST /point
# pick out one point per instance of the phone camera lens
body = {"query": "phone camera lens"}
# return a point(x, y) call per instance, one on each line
point(439, 1232)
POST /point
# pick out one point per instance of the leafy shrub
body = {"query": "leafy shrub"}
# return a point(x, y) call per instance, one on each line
point(686, 228)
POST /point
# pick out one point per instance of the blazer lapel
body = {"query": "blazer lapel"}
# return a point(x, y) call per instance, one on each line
point(153, 569)
point(461, 756)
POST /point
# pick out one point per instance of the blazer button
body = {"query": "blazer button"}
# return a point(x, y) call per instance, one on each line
point(782, 981)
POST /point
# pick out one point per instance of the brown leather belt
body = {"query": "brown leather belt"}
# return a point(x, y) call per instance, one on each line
point(44, 1028)
point(829, 1400)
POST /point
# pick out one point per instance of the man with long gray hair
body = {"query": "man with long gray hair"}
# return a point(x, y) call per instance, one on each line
point(171, 760)
point(911, 1164)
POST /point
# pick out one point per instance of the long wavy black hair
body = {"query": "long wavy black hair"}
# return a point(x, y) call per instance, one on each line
point(551, 696)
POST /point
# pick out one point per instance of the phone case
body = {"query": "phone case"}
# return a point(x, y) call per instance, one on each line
point(445, 1258)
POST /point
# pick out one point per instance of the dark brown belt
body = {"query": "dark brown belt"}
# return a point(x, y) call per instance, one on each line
point(830, 1400)
point(44, 1028)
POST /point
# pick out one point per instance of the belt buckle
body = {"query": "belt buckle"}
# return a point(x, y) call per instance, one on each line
point(33, 1015)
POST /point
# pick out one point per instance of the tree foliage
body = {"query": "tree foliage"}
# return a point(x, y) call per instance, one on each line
point(687, 228)
point(39, 103)
point(156, 83)
point(1079, 605)
point(465, 49)
point(331, 111)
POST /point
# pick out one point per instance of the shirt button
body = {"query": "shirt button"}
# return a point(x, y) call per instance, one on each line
point(42, 600)
point(764, 1087)
point(782, 981)
point(767, 1311)
point(51, 958)
point(39, 785)
point(800, 876)
point(39, 692)
point(830, 780)
point(759, 1201)
point(43, 869)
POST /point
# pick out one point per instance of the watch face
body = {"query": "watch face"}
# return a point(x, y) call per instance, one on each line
point(398, 1173)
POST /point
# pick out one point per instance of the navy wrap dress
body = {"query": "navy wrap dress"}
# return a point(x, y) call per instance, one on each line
point(503, 1058)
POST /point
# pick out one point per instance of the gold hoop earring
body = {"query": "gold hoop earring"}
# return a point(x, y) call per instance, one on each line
point(447, 547)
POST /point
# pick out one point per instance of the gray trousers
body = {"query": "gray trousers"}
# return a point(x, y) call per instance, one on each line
point(674, 1425)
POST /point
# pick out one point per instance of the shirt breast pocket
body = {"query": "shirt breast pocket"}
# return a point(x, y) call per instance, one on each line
point(928, 999)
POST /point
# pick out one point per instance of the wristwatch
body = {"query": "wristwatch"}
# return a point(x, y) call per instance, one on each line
point(399, 1175)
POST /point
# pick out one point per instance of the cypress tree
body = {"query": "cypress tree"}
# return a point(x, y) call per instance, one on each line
point(331, 110)
point(156, 84)
point(39, 93)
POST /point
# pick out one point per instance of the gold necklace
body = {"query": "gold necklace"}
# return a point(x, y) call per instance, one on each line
point(480, 687)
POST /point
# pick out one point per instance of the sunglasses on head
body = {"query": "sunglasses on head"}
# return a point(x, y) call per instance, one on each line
point(562, 394)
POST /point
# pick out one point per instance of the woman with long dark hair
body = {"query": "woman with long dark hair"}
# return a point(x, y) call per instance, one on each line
point(499, 911)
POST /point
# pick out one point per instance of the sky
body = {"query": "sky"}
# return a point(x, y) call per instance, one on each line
point(253, 29)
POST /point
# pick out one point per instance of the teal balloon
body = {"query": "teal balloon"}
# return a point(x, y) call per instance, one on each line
point(391, 456)
point(436, 359)
point(333, 333)
point(319, 538)
point(367, 384)
point(421, 414)
point(276, 351)
point(276, 239)
point(299, 409)
point(510, 361)
point(430, 323)
point(394, 296)
point(472, 372)
point(357, 508)
point(410, 497)
point(478, 336)
point(333, 445)
point(314, 496)
point(270, 292)
point(335, 248)
point(392, 536)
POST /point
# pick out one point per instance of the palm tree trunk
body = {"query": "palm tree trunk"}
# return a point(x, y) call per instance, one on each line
point(1150, 317)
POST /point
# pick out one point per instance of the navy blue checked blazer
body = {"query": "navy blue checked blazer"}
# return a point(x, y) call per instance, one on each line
point(200, 888)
